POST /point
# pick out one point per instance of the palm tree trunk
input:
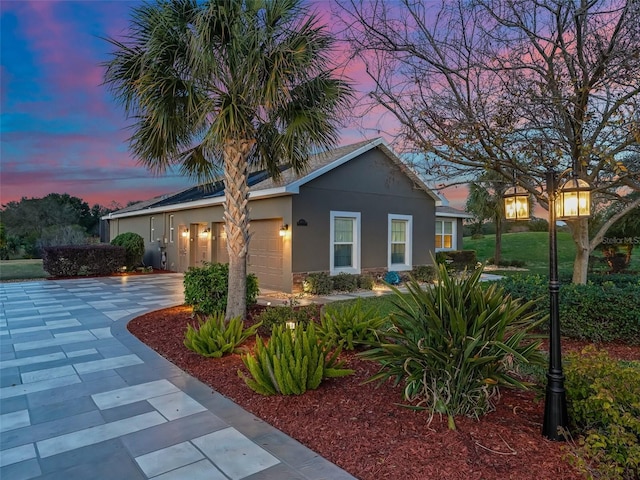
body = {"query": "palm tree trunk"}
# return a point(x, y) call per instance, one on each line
point(236, 217)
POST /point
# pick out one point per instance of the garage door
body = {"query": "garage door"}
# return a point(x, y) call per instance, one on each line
point(265, 253)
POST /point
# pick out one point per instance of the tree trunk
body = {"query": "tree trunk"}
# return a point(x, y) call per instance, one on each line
point(580, 234)
point(236, 217)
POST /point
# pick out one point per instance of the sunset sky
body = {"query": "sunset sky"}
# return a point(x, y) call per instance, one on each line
point(61, 130)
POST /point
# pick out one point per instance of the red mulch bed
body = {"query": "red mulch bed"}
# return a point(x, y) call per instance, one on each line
point(363, 430)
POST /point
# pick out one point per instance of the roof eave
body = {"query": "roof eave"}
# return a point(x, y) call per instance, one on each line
point(205, 202)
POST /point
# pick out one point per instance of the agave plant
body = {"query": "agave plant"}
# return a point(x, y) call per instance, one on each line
point(216, 336)
point(454, 344)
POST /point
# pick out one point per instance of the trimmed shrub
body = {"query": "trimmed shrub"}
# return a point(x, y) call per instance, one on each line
point(458, 260)
point(80, 260)
point(134, 246)
point(452, 345)
point(319, 283)
point(365, 281)
point(601, 313)
point(345, 282)
point(216, 336)
point(350, 325)
point(206, 288)
point(424, 273)
point(604, 404)
point(293, 362)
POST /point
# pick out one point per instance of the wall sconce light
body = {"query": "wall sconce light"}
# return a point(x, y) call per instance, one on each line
point(284, 229)
point(185, 233)
point(205, 233)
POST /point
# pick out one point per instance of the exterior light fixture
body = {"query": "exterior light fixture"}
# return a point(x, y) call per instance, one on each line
point(205, 233)
point(185, 233)
point(284, 229)
point(571, 200)
point(574, 199)
point(516, 203)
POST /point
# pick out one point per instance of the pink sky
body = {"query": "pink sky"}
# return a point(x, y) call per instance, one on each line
point(62, 132)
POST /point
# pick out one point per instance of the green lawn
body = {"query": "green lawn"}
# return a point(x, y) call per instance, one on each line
point(533, 249)
point(529, 247)
point(21, 270)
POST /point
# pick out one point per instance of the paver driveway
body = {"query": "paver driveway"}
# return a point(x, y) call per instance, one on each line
point(81, 398)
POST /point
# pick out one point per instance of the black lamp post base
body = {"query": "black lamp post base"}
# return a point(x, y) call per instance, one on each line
point(556, 419)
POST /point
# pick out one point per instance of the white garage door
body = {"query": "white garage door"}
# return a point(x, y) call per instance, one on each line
point(265, 253)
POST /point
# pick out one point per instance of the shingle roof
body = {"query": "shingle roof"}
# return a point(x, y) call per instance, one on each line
point(260, 181)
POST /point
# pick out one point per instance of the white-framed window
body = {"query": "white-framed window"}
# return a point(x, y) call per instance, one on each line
point(171, 229)
point(152, 229)
point(400, 242)
point(345, 242)
point(445, 235)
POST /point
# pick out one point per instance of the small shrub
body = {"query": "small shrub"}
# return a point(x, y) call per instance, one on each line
point(345, 282)
point(392, 278)
point(424, 273)
point(134, 245)
point(216, 336)
point(457, 260)
point(452, 344)
point(206, 288)
point(538, 225)
point(278, 316)
point(365, 281)
point(293, 362)
point(604, 404)
point(319, 283)
point(350, 325)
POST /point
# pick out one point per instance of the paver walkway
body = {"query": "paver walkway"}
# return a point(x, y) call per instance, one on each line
point(81, 398)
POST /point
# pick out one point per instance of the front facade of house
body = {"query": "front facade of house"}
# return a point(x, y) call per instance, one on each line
point(356, 209)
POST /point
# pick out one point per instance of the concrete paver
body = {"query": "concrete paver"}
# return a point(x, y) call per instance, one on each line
point(82, 398)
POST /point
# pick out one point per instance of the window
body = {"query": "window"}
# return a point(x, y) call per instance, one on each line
point(445, 235)
point(400, 242)
point(152, 230)
point(171, 229)
point(345, 242)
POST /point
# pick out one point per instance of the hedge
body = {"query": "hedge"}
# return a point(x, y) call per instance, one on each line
point(597, 312)
point(81, 260)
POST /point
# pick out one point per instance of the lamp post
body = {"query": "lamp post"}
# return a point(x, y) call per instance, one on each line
point(572, 200)
point(555, 402)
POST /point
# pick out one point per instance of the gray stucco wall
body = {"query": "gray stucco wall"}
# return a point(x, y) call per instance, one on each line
point(374, 186)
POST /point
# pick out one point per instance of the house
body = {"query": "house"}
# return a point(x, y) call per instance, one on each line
point(355, 209)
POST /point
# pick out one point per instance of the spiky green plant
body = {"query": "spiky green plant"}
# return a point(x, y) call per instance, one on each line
point(216, 336)
point(293, 362)
point(350, 325)
point(454, 344)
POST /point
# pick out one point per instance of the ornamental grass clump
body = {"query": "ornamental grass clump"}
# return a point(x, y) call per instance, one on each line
point(216, 336)
point(292, 362)
point(350, 325)
point(454, 344)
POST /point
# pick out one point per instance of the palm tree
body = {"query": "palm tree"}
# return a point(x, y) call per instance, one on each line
point(223, 86)
point(485, 202)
